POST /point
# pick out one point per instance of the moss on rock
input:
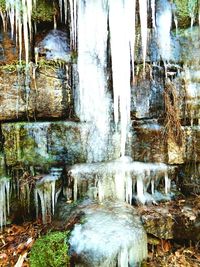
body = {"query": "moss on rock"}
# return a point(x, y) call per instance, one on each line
point(50, 250)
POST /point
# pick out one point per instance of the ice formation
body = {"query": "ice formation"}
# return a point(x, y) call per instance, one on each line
point(121, 179)
point(47, 193)
point(110, 235)
point(4, 200)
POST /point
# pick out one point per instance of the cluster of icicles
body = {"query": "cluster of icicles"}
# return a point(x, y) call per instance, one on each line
point(123, 179)
point(47, 193)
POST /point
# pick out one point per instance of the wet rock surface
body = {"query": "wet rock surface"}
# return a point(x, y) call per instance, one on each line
point(44, 143)
point(178, 220)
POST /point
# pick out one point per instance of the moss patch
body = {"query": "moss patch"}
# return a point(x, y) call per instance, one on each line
point(50, 251)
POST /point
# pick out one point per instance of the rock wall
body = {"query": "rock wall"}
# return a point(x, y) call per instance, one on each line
point(39, 128)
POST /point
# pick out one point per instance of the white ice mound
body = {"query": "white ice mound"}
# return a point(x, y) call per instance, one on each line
point(55, 46)
point(111, 235)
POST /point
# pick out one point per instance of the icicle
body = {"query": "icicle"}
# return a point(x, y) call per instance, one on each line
point(46, 190)
point(3, 18)
point(153, 13)
point(73, 14)
point(25, 31)
point(199, 14)
point(75, 188)
point(167, 183)
point(123, 258)
point(120, 36)
point(152, 187)
point(129, 188)
point(10, 7)
point(143, 24)
point(92, 101)
point(163, 21)
point(61, 9)
point(119, 185)
point(53, 194)
point(101, 195)
point(4, 200)
point(140, 190)
point(36, 202)
point(29, 14)
point(65, 10)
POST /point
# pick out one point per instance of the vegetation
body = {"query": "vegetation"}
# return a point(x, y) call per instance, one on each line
point(50, 251)
point(44, 11)
point(2, 5)
point(186, 10)
point(172, 123)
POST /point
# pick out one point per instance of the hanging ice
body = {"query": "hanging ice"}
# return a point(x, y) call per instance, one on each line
point(122, 27)
point(163, 22)
point(47, 193)
point(4, 200)
point(118, 179)
point(20, 12)
point(92, 101)
point(143, 24)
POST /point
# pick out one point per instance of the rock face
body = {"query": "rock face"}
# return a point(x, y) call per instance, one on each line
point(44, 143)
point(179, 220)
point(44, 93)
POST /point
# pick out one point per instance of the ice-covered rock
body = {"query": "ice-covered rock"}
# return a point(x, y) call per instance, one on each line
point(111, 235)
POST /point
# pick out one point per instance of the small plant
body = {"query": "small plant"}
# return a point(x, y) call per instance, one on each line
point(172, 122)
point(50, 250)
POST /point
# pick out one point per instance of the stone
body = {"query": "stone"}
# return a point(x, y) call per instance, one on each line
point(45, 93)
point(148, 143)
point(179, 220)
point(44, 143)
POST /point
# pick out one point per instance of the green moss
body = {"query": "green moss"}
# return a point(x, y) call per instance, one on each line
point(44, 11)
point(185, 9)
point(2, 5)
point(50, 251)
